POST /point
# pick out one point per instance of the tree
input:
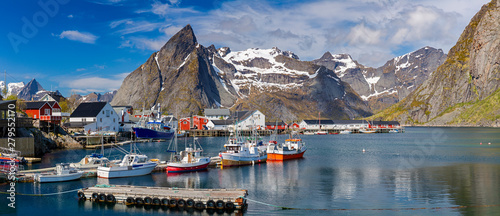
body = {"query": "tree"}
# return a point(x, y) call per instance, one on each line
point(64, 105)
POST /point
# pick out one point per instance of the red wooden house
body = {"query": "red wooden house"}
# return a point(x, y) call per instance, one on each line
point(48, 111)
point(199, 122)
point(280, 125)
point(185, 123)
point(295, 125)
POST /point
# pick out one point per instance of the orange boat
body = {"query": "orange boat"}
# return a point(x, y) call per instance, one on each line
point(292, 148)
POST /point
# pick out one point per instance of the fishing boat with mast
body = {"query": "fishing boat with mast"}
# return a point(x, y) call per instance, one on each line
point(153, 126)
point(189, 160)
point(293, 148)
point(238, 152)
point(320, 132)
point(133, 164)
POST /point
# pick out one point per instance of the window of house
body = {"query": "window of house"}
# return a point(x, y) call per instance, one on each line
point(100, 119)
point(111, 112)
point(113, 120)
point(103, 112)
point(107, 113)
point(47, 111)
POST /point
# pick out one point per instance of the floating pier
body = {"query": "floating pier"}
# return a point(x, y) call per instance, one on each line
point(180, 198)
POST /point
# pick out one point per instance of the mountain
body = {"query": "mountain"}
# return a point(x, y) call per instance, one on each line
point(94, 97)
point(465, 89)
point(390, 83)
point(29, 91)
point(12, 88)
point(186, 77)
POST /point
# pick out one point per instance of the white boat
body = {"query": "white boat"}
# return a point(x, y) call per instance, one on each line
point(346, 131)
point(91, 161)
point(367, 130)
point(238, 153)
point(133, 164)
point(308, 133)
point(188, 160)
point(394, 131)
point(320, 132)
point(63, 173)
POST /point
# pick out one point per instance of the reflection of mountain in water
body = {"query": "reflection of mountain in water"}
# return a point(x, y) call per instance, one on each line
point(472, 185)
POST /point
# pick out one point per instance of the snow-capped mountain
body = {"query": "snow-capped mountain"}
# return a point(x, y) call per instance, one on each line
point(188, 77)
point(31, 90)
point(12, 88)
point(388, 84)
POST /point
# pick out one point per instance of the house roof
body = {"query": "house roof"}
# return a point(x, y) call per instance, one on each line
point(89, 109)
point(54, 95)
point(315, 122)
point(385, 123)
point(4, 104)
point(217, 112)
point(223, 122)
point(35, 104)
point(350, 122)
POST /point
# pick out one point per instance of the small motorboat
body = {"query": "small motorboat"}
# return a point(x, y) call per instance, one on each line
point(345, 132)
point(320, 132)
point(367, 130)
point(394, 131)
point(189, 160)
point(64, 172)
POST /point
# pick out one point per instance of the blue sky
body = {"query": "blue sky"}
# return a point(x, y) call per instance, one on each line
point(84, 46)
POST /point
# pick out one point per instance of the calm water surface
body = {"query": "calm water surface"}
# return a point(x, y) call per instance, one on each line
point(433, 170)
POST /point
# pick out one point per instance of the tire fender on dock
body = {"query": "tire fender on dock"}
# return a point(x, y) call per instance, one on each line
point(199, 205)
point(81, 196)
point(210, 204)
point(219, 204)
point(156, 201)
point(129, 201)
point(139, 201)
point(190, 203)
point(173, 203)
point(110, 198)
point(148, 201)
point(181, 203)
point(165, 201)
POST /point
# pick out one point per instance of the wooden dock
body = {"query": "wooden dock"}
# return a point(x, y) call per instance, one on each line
point(180, 198)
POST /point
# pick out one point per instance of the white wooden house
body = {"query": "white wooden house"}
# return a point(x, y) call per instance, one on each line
point(96, 117)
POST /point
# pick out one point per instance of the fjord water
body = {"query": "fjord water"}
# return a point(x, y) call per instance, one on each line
point(425, 171)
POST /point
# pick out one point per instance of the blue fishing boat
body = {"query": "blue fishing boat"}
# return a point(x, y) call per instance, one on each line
point(154, 130)
point(154, 126)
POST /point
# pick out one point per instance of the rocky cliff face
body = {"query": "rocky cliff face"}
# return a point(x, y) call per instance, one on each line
point(179, 76)
point(464, 90)
point(388, 84)
point(186, 77)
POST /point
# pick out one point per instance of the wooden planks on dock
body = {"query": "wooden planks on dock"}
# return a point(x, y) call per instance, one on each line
point(224, 199)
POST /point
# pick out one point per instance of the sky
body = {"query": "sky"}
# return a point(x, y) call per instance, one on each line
point(84, 46)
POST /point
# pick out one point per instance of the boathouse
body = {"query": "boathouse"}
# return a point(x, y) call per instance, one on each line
point(350, 124)
point(247, 120)
point(48, 111)
point(219, 124)
point(279, 126)
point(217, 114)
point(96, 117)
point(185, 124)
point(315, 124)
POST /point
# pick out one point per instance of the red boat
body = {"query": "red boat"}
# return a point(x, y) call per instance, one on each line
point(293, 148)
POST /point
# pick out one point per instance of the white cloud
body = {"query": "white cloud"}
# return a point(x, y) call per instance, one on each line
point(94, 83)
point(75, 35)
point(372, 31)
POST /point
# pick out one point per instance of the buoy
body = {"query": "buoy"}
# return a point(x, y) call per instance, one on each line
point(480, 143)
point(489, 143)
point(363, 150)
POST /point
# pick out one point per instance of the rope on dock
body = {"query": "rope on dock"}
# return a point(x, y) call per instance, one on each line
point(48, 194)
point(374, 209)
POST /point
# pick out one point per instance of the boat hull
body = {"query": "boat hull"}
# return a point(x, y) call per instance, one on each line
point(125, 171)
point(59, 178)
point(233, 160)
point(280, 156)
point(146, 133)
point(178, 168)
